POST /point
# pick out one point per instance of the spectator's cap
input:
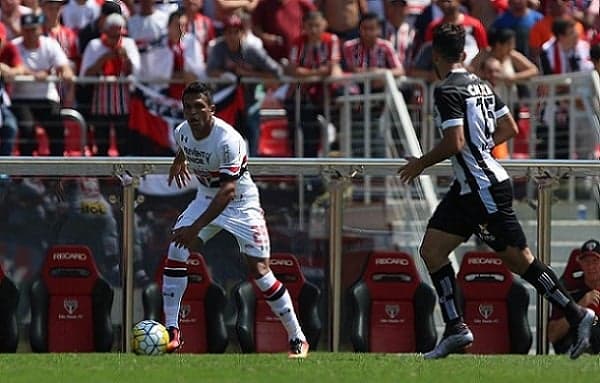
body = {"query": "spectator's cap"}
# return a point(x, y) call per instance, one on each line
point(31, 20)
point(233, 21)
point(590, 247)
point(114, 20)
point(109, 7)
point(2, 32)
point(401, 2)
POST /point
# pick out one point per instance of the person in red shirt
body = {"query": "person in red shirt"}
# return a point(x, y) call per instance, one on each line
point(10, 65)
point(315, 53)
point(586, 291)
point(476, 37)
point(278, 22)
point(199, 25)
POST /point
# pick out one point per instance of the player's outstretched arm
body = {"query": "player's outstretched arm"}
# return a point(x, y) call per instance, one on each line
point(178, 170)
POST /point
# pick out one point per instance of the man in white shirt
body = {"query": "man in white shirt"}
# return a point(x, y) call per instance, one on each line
point(39, 102)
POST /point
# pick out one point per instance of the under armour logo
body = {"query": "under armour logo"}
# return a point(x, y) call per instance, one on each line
point(172, 295)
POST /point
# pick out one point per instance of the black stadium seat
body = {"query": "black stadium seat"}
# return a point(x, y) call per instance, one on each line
point(9, 299)
point(258, 329)
point(392, 309)
point(494, 305)
point(70, 304)
point(202, 312)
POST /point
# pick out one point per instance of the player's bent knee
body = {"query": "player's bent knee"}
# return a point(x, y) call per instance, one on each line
point(178, 253)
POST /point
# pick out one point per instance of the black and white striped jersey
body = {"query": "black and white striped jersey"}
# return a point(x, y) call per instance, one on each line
point(464, 99)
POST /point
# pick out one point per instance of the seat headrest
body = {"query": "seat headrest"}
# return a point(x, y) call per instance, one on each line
point(197, 269)
point(287, 268)
point(74, 263)
point(481, 270)
point(387, 268)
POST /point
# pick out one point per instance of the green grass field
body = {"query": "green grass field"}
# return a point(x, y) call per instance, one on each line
point(319, 367)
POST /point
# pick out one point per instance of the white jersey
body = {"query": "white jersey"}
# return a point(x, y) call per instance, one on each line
point(221, 155)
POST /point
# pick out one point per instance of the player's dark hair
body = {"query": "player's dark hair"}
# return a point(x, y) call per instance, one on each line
point(500, 35)
point(449, 41)
point(200, 88)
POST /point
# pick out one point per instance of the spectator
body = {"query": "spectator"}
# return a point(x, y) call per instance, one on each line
point(542, 30)
point(515, 67)
point(397, 30)
point(486, 11)
point(231, 53)
point(89, 32)
point(369, 52)
point(147, 26)
point(66, 37)
point(520, 18)
point(94, 29)
point(39, 101)
point(112, 54)
point(225, 8)
point(565, 53)
point(342, 16)
point(168, 58)
point(10, 66)
point(586, 291)
point(315, 53)
point(278, 23)
point(11, 12)
point(476, 38)
point(77, 14)
point(199, 25)
point(430, 13)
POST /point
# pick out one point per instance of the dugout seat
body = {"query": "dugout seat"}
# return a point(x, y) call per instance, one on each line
point(9, 299)
point(494, 305)
point(70, 304)
point(258, 329)
point(391, 307)
point(202, 311)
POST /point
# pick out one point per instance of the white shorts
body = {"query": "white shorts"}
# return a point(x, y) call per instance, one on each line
point(245, 221)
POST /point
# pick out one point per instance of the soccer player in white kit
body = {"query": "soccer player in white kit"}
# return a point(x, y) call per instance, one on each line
point(227, 199)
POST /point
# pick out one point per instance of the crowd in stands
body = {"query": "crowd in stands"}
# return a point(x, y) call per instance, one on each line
point(164, 44)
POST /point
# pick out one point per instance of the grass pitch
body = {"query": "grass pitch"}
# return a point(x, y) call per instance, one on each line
point(318, 367)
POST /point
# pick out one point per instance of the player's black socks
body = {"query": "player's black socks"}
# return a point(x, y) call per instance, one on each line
point(444, 281)
point(547, 284)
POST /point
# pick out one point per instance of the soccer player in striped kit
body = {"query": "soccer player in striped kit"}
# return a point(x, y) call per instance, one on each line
point(473, 119)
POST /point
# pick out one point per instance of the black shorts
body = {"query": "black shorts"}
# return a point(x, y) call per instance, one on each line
point(464, 215)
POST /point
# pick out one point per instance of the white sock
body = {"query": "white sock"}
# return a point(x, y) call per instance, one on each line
point(173, 290)
point(280, 302)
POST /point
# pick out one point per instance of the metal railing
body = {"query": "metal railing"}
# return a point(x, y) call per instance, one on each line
point(336, 171)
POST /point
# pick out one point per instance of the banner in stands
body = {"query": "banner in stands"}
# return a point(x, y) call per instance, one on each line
point(154, 115)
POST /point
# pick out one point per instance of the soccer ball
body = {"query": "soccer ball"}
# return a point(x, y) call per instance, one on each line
point(149, 338)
